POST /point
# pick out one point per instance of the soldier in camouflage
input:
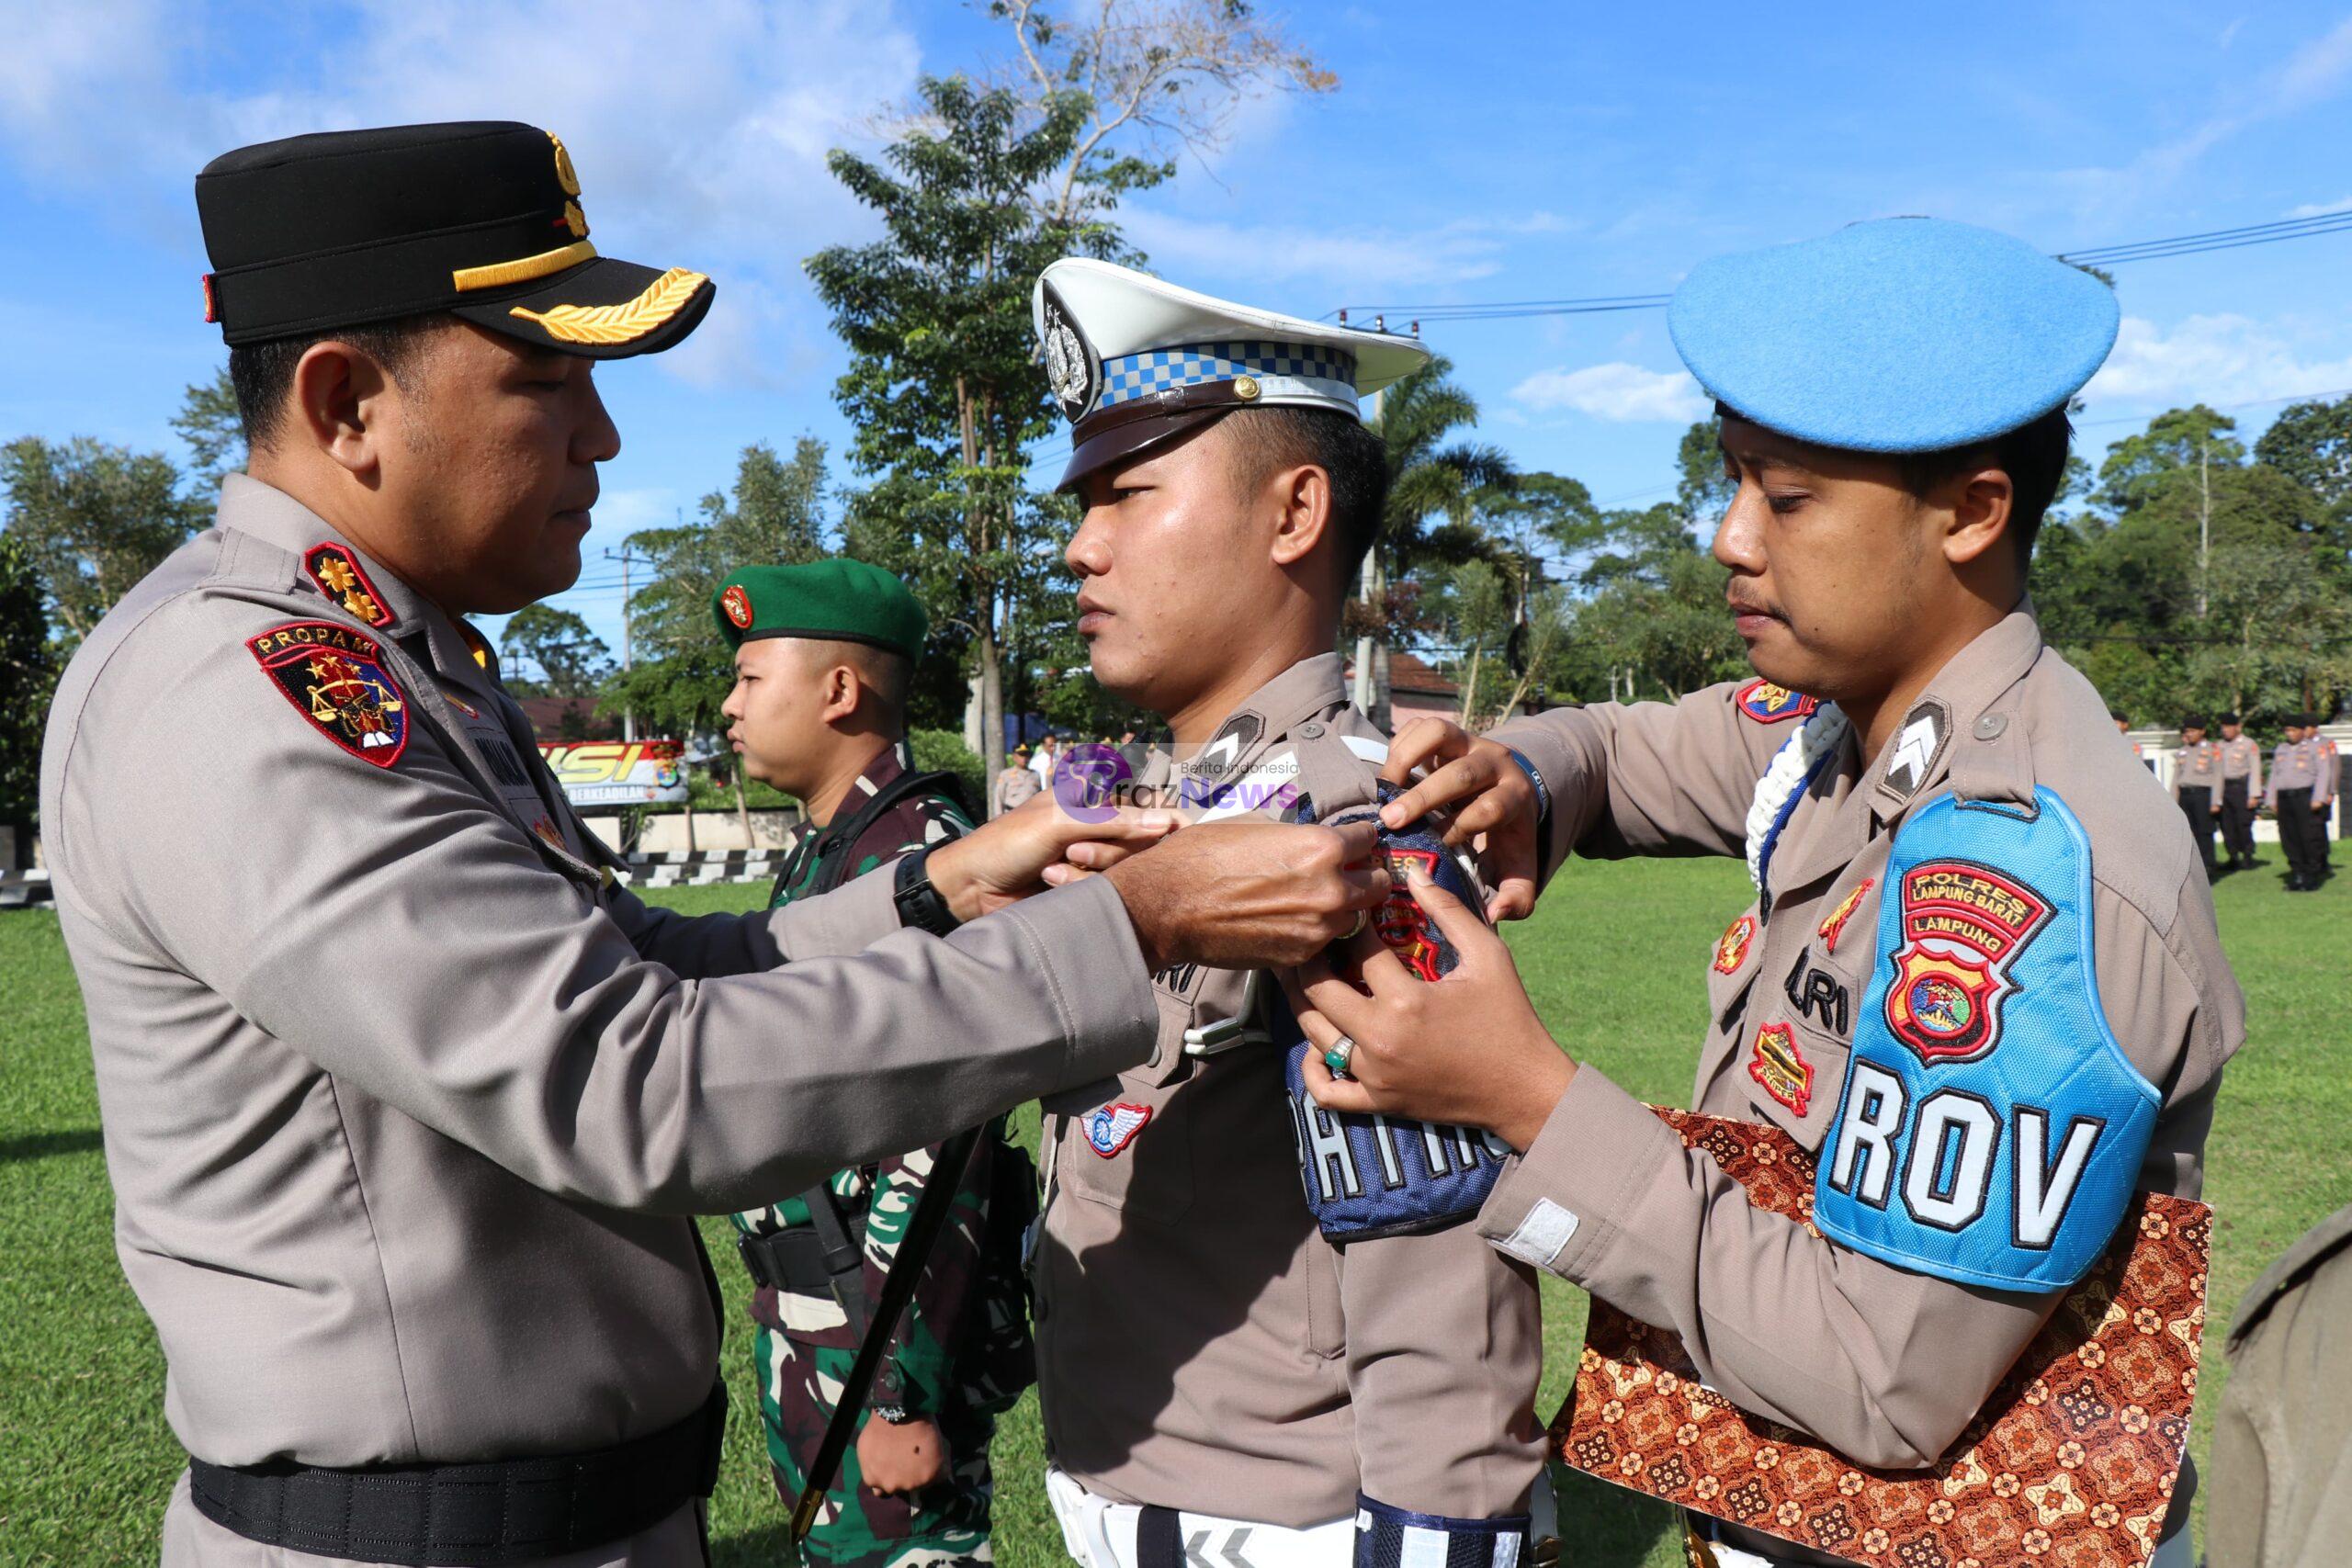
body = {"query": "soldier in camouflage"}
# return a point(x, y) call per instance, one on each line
point(822, 656)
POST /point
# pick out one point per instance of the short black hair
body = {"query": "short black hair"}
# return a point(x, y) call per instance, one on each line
point(1285, 436)
point(263, 373)
point(2033, 456)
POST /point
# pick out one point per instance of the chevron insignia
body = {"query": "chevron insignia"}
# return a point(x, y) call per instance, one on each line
point(624, 323)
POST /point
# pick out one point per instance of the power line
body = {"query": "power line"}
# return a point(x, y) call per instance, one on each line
point(2319, 223)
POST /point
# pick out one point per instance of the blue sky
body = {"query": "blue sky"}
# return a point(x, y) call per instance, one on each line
point(1472, 153)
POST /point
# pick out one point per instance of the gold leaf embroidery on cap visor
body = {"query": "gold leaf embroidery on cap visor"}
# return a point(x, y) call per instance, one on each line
point(624, 323)
point(497, 274)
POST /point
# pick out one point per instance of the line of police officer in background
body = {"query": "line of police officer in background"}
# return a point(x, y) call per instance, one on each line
point(2218, 783)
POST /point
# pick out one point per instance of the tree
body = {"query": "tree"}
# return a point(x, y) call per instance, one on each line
point(1655, 624)
point(1429, 477)
point(1153, 77)
point(1705, 488)
point(92, 520)
point(2186, 438)
point(215, 434)
point(2312, 444)
point(572, 661)
point(943, 388)
point(28, 677)
point(685, 668)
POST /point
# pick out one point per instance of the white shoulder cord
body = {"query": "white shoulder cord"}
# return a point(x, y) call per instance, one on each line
point(1792, 764)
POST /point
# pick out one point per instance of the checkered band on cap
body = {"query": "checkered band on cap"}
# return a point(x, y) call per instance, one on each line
point(1290, 370)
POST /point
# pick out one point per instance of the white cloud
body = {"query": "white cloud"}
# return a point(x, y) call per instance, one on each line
point(2312, 75)
point(2216, 359)
point(1616, 391)
point(1342, 265)
point(700, 134)
point(2313, 208)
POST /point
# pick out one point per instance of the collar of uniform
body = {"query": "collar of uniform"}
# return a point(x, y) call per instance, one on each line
point(264, 511)
point(1308, 688)
point(887, 764)
point(1966, 692)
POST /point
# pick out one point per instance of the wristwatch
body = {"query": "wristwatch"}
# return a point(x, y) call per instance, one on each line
point(917, 901)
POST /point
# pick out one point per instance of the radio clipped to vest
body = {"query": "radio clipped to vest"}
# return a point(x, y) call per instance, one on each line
point(1374, 1176)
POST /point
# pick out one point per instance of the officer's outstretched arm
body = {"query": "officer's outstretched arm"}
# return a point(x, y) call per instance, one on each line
point(386, 923)
point(1621, 779)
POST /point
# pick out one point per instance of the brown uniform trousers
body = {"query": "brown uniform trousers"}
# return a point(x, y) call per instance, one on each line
point(1199, 1345)
point(1885, 1365)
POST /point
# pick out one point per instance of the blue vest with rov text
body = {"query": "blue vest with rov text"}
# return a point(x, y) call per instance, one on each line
point(1991, 1130)
point(1374, 1176)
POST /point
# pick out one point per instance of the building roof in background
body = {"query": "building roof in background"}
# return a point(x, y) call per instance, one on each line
point(548, 717)
point(1408, 674)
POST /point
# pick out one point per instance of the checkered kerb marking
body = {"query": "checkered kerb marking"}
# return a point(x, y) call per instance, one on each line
point(1133, 375)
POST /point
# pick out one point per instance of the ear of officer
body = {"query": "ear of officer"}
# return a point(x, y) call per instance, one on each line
point(1895, 337)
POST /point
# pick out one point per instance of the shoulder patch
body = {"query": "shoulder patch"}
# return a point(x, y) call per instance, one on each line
point(334, 676)
point(1990, 1129)
point(1767, 703)
point(1111, 1128)
point(1962, 926)
point(337, 572)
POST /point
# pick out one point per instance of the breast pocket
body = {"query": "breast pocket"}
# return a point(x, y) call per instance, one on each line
point(1133, 1153)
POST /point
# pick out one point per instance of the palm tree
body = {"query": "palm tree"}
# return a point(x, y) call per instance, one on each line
point(1428, 479)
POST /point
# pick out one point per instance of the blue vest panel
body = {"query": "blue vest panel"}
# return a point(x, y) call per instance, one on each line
point(1990, 1131)
point(1374, 1176)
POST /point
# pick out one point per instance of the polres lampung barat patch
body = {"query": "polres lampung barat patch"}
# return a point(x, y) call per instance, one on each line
point(1990, 1129)
point(1374, 1176)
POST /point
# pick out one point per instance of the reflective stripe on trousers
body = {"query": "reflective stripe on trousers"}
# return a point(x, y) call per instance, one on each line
point(1099, 1533)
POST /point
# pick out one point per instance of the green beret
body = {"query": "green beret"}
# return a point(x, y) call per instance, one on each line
point(837, 600)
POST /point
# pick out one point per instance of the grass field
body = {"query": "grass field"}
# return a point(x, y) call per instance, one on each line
point(1613, 959)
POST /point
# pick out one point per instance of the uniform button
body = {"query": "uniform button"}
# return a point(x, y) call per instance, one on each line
point(1310, 731)
point(1989, 728)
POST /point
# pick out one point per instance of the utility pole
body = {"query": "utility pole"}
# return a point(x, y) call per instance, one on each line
point(2204, 525)
point(625, 557)
point(1366, 588)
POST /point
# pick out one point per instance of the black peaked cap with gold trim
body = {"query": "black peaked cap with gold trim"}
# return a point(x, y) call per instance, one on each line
point(480, 218)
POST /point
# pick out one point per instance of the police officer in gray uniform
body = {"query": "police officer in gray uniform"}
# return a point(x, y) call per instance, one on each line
point(407, 1101)
point(2197, 787)
point(2241, 789)
point(2297, 778)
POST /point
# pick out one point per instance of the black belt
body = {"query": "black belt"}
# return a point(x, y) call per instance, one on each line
point(791, 1259)
point(469, 1515)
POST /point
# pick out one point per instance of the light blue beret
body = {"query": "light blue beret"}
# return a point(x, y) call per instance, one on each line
point(1902, 334)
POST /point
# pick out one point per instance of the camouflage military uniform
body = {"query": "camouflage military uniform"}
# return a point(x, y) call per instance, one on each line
point(961, 1351)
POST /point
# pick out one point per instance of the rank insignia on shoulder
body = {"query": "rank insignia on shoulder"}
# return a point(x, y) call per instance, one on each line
point(1769, 704)
point(1835, 926)
point(1731, 948)
point(334, 676)
point(337, 573)
point(1963, 925)
point(1111, 1128)
point(1779, 1067)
